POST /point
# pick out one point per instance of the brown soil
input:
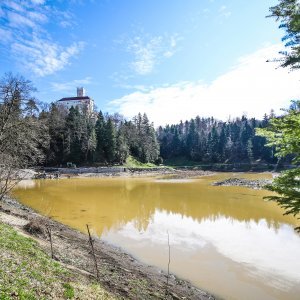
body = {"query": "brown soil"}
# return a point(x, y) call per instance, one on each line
point(120, 273)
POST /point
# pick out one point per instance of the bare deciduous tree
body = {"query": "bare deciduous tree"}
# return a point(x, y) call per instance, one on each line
point(22, 134)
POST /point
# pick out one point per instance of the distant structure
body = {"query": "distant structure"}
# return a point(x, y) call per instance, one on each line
point(83, 102)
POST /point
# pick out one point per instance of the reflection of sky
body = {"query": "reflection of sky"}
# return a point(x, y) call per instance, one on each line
point(26, 184)
point(267, 252)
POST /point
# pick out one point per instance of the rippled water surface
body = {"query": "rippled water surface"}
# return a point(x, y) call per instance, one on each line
point(226, 240)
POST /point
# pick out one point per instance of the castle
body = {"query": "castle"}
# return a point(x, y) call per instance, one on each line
point(83, 102)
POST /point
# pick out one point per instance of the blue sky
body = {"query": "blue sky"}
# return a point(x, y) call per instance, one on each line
point(173, 59)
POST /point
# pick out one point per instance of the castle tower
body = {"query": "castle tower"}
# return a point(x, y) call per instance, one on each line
point(80, 92)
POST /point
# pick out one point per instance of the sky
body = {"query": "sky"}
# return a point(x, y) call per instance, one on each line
point(173, 59)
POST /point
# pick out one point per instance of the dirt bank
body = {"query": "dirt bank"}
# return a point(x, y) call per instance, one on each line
point(120, 273)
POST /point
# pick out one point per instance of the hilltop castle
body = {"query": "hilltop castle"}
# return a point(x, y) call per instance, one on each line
point(83, 102)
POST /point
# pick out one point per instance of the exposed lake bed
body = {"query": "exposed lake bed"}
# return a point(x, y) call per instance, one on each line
point(223, 239)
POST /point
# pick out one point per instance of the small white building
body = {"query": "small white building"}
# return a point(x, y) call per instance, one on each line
point(84, 103)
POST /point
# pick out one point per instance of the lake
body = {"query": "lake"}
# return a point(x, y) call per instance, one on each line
point(225, 240)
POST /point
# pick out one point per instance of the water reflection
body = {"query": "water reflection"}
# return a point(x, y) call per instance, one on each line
point(257, 248)
point(224, 239)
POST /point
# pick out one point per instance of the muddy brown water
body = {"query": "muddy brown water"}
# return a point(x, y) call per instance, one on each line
point(225, 240)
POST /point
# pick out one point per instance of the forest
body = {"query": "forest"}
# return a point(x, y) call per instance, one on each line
point(77, 137)
point(209, 140)
point(50, 135)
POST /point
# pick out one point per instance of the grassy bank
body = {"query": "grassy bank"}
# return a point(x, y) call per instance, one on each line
point(26, 272)
point(131, 162)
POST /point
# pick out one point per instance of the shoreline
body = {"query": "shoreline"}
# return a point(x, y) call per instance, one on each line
point(119, 271)
point(117, 172)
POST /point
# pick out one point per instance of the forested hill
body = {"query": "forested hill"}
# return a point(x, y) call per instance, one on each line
point(211, 141)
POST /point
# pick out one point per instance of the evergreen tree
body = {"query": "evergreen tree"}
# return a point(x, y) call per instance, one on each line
point(110, 141)
point(209, 140)
point(73, 136)
point(222, 143)
point(284, 134)
point(88, 139)
point(122, 148)
point(192, 140)
point(176, 144)
point(288, 13)
point(100, 136)
point(56, 120)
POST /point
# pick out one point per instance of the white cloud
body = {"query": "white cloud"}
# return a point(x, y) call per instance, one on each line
point(137, 87)
point(14, 5)
point(147, 51)
point(43, 57)
point(252, 86)
point(38, 2)
point(71, 85)
point(17, 20)
point(37, 17)
point(144, 54)
point(32, 46)
point(65, 24)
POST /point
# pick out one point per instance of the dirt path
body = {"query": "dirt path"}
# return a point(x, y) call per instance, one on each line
point(120, 273)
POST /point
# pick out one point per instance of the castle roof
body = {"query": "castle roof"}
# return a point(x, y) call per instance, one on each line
point(75, 98)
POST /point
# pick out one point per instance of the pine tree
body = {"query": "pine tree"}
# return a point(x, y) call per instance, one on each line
point(73, 135)
point(284, 134)
point(56, 122)
point(209, 140)
point(122, 148)
point(100, 135)
point(222, 143)
point(192, 140)
point(110, 141)
point(287, 12)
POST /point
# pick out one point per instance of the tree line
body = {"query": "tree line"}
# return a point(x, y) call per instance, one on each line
point(208, 140)
point(34, 133)
point(77, 137)
point(51, 135)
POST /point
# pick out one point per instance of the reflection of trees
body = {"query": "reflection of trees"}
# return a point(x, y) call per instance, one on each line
point(111, 203)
